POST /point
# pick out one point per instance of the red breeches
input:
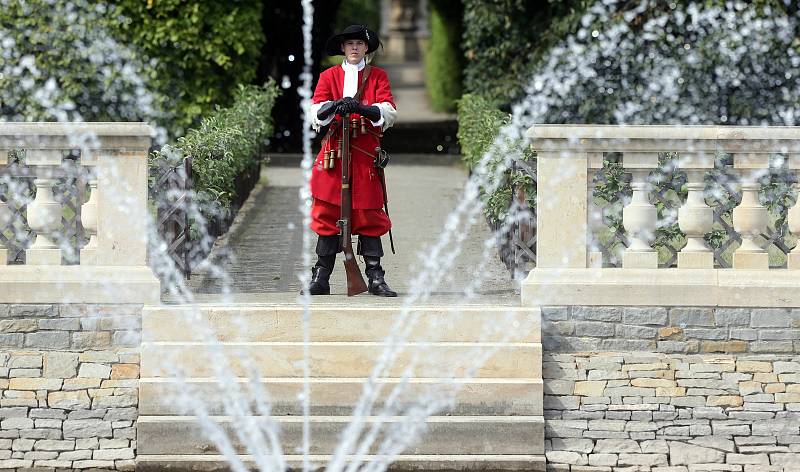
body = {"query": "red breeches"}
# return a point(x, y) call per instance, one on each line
point(368, 222)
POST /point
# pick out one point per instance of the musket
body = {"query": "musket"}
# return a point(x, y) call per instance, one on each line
point(355, 281)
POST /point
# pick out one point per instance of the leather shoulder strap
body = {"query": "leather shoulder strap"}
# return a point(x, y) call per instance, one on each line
point(367, 70)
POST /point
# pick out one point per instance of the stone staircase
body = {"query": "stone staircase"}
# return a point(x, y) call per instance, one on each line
point(495, 421)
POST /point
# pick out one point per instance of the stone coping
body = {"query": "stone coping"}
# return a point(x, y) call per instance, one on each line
point(664, 287)
point(52, 135)
point(78, 284)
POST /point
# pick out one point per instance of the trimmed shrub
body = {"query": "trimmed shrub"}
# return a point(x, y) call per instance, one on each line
point(443, 59)
point(225, 146)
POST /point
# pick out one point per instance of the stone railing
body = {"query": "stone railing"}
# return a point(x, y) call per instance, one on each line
point(569, 270)
point(112, 266)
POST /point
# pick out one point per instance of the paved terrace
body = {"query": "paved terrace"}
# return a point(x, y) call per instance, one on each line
point(262, 252)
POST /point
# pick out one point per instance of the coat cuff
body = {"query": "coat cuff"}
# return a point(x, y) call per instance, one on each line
point(388, 115)
point(315, 122)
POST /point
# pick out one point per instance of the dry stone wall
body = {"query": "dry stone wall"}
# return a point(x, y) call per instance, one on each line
point(69, 386)
point(671, 389)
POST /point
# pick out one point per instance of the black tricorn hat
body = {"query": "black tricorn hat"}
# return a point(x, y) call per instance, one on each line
point(334, 44)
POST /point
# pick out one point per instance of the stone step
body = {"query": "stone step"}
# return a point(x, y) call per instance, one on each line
point(443, 434)
point(440, 462)
point(337, 396)
point(340, 359)
point(338, 323)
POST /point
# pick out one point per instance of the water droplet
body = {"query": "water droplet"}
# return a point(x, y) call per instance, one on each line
point(285, 82)
point(439, 147)
point(291, 57)
point(595, 33)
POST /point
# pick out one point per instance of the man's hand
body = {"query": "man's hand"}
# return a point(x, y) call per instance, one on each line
point(381, 158)
point(373, 113)
point(328, 109)
point(347, 105)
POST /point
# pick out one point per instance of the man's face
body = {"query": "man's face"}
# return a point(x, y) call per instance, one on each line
point(354, 50)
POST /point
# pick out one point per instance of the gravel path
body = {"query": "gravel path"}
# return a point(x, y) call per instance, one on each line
point(262, 253)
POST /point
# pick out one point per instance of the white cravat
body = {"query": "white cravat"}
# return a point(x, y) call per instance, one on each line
point(351, 77)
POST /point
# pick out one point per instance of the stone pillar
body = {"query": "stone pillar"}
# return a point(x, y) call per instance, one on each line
point(639, 217)
point(695, 219)
point(750, 217)
point(402, 39)
point(561, 222)
point(793, 214)
point(44, 213)
point(594, 212)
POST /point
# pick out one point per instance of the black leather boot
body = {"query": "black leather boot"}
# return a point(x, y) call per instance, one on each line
point(320, 274)
point(375, 273)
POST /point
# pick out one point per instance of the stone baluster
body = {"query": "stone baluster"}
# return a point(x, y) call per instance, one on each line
point(750, 217)
point(793, 214)
point(695, 217)
point(639, 217)
point(89, 222)
point(5, 213)
point(594, 212)
point(44, 213)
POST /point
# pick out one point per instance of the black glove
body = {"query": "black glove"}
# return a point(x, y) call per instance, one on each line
point(348, 105)
point(373, 113)
point(327, 110)
point(381, 158)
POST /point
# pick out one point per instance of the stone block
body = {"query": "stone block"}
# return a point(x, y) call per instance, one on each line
point(88, 428)
point(120, 414)
point(69, 400)
point(723, 346)
point(18, 326)
point(589, 388)
point(670, 332)
point(749, 387)
point(787, 397)
point(126, 338)
point(687, 347)
point(705, 333)
point(113, 454)
point(60, 324)
point(47, 423)
point(84, 340)
point(47, 340)
point(782, 367)
point(644, 315)
point(775, 388)
point(771, 318)
point(603, 459)
point(24, 373)
point(627, 344)
point(47, 413)
point(646, 460)
point(753, 366)
point(16, 423)
point(87, 443)
point(95, 371)
point(653, 382)
point(34, 384)
point(597, 313)
point(607, 425)
point(76, 455)
point(12, 339)
point(724, 400)
point(60, 364)
point(683, 317)
point(636, 332)
point(617, 446)
point(732, 316)
point(33, 311)
point(120, 322)
point(744, 334)
point(772, 346)
point(116, 401)
point(551, 386)
point(594, 329)
point(93, 464)
point(54, 445)
point(688, 454)
point(779, 334)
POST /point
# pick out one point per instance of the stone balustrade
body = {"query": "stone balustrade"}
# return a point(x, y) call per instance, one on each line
point(571, 271)
point(112, 264)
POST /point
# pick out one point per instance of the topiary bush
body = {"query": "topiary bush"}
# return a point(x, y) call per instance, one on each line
point(443, 58)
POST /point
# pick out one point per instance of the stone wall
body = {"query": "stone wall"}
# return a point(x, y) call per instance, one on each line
point(69, 386)
point(625, 391)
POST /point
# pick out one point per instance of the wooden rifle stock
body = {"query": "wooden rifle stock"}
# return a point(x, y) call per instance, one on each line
point(355, 281)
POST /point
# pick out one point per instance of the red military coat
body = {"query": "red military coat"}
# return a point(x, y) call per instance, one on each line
point(326, 184)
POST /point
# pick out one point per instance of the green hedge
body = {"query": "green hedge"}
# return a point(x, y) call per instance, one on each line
point(225, 145)
point(502, 38)
point(443, 58)
point(479, 123)
point(202, 48)
point(166, 61)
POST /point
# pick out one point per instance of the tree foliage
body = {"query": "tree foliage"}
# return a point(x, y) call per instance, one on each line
point(443, 59)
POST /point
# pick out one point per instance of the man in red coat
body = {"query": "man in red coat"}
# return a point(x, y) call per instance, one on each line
point(344, 89)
